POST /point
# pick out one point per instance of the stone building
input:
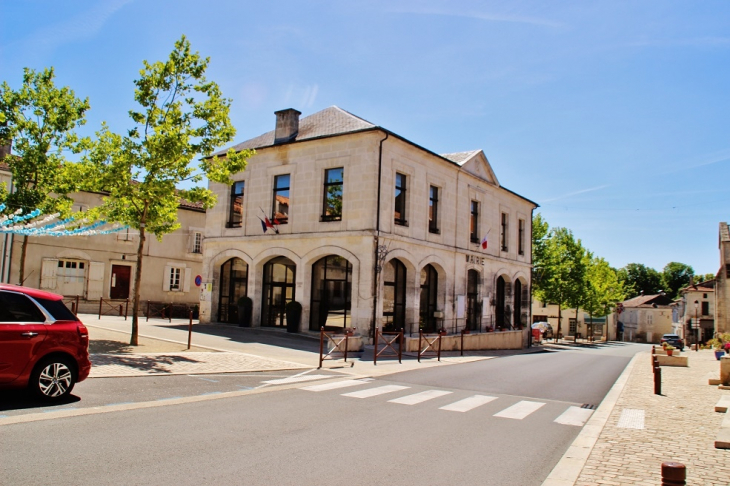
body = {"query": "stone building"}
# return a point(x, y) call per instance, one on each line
point(722, 282)
point(698, 304)
point(103, 266)
point(646, 318)
point(366, 229)
point(582, 326)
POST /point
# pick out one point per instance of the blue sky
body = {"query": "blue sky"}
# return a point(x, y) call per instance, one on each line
point(614, 116)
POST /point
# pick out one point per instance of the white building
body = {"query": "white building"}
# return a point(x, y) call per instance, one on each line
point(374, 230)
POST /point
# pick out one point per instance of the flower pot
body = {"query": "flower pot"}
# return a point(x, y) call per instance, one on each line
point(669, 352)
point(719, 353)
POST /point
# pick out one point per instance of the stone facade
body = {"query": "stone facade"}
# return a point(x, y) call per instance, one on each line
point(646, 318)
point(703, 294)
point(401, 270)
point(722, 282)
point(103, 266)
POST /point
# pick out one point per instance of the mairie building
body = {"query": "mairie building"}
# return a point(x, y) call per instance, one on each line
point(366, 230)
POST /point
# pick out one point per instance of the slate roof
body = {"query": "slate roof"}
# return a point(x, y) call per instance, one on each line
point(460, 157)
point(330, 121)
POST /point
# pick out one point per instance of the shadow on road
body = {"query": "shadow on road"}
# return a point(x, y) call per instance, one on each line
point(23, 399)
point(272, 337)
point(155, 363)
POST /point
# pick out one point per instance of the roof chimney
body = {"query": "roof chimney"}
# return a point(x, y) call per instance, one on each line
point(287, 125)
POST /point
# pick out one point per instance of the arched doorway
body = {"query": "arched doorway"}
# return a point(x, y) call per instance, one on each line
point(234, 285)
point(517, 317)
point(278, 290)
point(429, 294)
point(394, 296)
point(473, 307)
point(499, 313)
point(331, 293)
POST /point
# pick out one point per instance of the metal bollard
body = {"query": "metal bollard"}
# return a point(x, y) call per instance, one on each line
point(190, 329)
point(657, 380)
point(673, 474)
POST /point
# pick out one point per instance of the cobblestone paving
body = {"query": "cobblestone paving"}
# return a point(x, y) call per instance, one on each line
point(680, 426)
point(115, 365)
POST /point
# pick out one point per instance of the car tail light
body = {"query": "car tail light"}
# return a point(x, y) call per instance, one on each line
point(83, 332)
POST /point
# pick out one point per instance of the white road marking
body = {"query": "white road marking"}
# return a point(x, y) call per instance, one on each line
point(335, 385)
point(468, 403)
point(631, 419)
point(519, 410)
point(372, 392)
point(420, 397)
point(296, 379)
point(574, 416)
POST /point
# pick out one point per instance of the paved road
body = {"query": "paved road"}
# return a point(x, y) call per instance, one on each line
point(429, 428)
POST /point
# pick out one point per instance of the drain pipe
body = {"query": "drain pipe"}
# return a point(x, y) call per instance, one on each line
point(377, 239)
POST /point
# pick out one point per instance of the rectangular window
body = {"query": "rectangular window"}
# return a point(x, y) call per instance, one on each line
point(235, 217)
point(521, 239)
point(400, 199)
point(705, 308)
point(281, 198)
point(474, 222)
point(505, 228)
point(332, 207)
point(197, 242)
point(175, 279)
point(433, 210)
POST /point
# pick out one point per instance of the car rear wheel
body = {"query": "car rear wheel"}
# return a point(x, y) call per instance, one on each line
point(53, 379)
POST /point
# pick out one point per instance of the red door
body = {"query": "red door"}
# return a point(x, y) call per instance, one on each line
point(120, 282)
point(21, 332)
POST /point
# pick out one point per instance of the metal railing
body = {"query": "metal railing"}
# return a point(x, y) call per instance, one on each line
point(430, 342)
point(334, 344)
point(108, 307)
point(388, 340)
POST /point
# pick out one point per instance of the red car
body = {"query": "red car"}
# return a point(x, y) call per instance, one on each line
point(43, 345)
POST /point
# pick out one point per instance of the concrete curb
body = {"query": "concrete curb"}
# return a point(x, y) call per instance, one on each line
point(568, 469)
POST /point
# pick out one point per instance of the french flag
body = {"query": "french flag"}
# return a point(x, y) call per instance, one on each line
point(485, 241)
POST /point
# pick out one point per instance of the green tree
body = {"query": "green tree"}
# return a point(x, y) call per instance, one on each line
point(40, 120)
point(603, 288)
point(561, 270)
point(676, 275)
point(704, 277)
point(182, 116)
point(638, 278)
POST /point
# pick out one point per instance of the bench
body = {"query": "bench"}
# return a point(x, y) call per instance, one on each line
point(723, 404)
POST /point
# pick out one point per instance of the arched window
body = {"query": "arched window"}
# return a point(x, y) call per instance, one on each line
point(499, 311)
point(429, 293)
point(278, 290)
point(331, 293)
point(394, 295)
point(234, 285)
point(517, 319)
point(473, 306)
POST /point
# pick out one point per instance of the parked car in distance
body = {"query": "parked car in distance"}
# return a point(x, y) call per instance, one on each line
point(43, 345)
point(674, 340)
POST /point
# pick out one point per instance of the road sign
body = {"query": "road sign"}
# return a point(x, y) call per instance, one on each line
point(695, 323)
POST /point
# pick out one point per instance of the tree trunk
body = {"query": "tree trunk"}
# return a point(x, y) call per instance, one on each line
point(560, 318)
point(134, 341)
point(23, 250)
point(575, 336)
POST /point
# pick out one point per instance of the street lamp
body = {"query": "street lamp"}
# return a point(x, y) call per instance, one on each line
point(697, 324)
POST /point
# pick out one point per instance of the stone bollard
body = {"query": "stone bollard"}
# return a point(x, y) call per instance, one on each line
point(673, 474)
point(725, 370)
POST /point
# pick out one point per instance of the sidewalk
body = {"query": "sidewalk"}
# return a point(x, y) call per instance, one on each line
point(634, 431)
point(226, 349)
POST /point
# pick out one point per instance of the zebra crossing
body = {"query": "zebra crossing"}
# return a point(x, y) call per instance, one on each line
point(574, 416)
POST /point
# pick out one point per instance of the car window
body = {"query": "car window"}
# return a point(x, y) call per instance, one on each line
point(16, 307)
point(57, 309)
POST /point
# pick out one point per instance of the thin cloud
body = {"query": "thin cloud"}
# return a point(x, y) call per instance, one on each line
point(489, 17)
point(702, 161)
point(82, 26)
point(575, 193)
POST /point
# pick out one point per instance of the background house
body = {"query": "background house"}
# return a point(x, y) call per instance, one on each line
point(703, 294)
point(646, 318)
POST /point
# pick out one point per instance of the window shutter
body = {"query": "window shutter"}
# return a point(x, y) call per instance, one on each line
point(166, 278)
point(191, 241)
point(96, 280)
point(188, 276)
point(48, 273)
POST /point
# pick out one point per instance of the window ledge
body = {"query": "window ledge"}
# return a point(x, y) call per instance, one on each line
point(401, 222)
point(434, 231)
point(328, 219)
